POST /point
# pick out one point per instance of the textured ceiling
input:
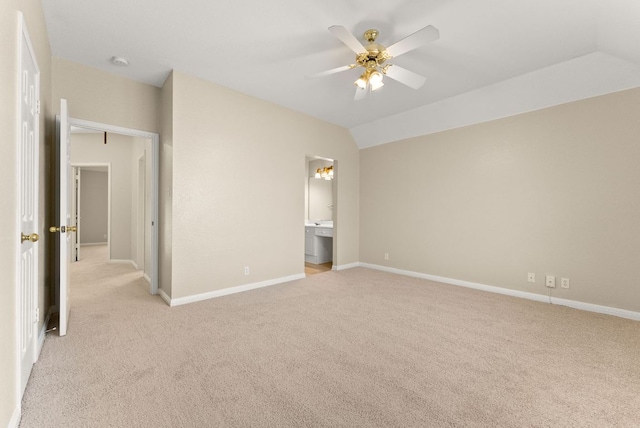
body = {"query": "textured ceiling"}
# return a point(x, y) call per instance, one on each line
point(265, 49)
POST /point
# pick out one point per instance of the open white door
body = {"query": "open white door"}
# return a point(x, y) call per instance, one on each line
point(28, 142)
point(66, 226)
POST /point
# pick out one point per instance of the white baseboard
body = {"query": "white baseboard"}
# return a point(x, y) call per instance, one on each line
point(146, 277)
point(91, 244)
point(15, 418)
point(623, 313)
point(347, 266)
point(607, 310)
point(124, 261)
point(164, 296)
point(43, 333)
point(232, 290)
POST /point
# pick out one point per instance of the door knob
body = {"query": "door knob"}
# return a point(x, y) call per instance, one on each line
point(72, 228)
point(33, 237)
point(54, 229)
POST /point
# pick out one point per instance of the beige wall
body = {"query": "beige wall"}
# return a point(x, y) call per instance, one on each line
point(555, 191)
point(238, 189)
point(121, 152)
point(94, 208)
point(106, 98)
point(34, 18)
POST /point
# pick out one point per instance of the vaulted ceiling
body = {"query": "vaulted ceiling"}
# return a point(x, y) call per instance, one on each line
point(494, 58)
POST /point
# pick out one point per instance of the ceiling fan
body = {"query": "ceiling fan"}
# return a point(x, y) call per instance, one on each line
point(373, 56)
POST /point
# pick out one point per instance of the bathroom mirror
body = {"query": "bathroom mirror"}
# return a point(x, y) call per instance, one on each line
point(320, 199)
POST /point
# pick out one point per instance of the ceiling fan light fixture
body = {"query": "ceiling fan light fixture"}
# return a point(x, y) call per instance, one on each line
point(373, 58)
point(375, 77)
point(376, 85)
point(375, 80)
point(362, 81)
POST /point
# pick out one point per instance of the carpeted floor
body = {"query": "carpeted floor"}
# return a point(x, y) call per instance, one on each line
point(355, 348)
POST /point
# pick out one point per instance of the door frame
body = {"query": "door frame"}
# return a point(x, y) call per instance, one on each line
point(155, 181)
point(76, 212)
point(334, 200)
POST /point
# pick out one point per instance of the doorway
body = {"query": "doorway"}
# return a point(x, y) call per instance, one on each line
point(320, 205)
point(91, 206)
point(131, 160)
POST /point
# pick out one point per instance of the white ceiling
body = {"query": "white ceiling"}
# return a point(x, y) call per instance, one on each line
point(526, 49)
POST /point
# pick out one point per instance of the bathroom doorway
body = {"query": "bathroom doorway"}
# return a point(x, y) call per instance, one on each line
point(320, 197)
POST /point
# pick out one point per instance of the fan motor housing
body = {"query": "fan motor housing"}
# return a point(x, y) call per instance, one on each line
point(375, 52)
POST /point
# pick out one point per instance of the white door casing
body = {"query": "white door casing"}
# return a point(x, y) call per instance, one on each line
point(152, 216)
point(75, 251)
point(28, 142)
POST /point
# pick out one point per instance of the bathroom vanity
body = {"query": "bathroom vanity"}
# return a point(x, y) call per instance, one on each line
point(318, 243)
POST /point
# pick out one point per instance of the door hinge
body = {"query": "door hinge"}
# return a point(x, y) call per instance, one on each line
point(37, 315)
point(37, 106)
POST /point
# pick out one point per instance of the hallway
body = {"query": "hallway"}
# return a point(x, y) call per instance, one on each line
point(93, 277)
point(108, 306)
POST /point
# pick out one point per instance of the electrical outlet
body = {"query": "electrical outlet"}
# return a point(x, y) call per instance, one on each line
point(386, 256)
point(551, 281)
point(531, 277)
point(246, 270)
point(564, 283)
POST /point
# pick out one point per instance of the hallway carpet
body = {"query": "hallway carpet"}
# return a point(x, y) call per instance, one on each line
point(354, 348)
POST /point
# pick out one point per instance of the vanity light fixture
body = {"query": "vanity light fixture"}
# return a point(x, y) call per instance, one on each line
point(326, 172)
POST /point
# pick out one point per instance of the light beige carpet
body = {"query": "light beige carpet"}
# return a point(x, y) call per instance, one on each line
point(355, 348)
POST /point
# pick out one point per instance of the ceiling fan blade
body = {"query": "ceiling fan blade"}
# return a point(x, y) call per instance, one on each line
point(413, 41)
point(361, 93)
point(332, 71)
point(405, 76)
point(347, 38)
